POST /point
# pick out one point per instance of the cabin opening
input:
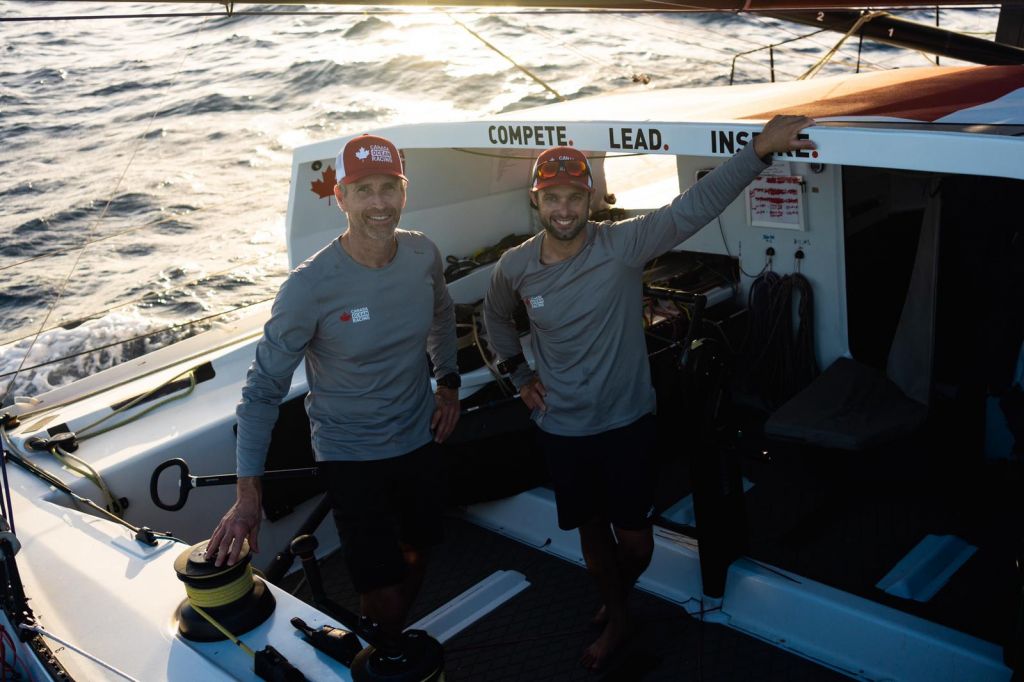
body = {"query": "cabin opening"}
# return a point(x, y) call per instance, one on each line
point(934, 290)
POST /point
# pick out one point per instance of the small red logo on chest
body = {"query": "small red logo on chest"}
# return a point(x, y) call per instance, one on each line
point(346, 316)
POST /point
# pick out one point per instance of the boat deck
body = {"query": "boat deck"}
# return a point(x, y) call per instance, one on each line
point(844, 519)
point(847, 519)
point(539, 634)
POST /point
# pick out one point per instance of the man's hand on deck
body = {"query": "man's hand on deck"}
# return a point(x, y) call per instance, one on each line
point(446, 414)
point(780, 135)
point(533, 394)
point(240, 523)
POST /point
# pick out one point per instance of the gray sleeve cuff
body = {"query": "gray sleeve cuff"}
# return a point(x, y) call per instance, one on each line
point(522, 375)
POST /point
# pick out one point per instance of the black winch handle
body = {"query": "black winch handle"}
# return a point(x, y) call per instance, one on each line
point(187, 481)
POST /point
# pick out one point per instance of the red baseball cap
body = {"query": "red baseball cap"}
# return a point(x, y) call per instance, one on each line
point(561, 166)
point(368, 155)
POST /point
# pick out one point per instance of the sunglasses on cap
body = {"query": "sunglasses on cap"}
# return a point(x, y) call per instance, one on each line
point(572, 168)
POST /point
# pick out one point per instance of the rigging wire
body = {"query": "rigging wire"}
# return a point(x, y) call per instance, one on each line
point(155, 223)
point(786, 29)
point(96, 222)
point(140, 373)
point(725, 36)
point(825, 58)
point(172, 327)
point(674, 35)
point(771, 48)
point(754, 15)
point(142, 534)
point(183, 287)
point(513, 62)
point(884, 65)
point(727, 52)
point(45, 633)
point(633, 72)
point(485, 11)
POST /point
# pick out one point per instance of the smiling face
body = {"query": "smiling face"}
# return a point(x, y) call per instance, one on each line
point(373, 205)
point(563, 211)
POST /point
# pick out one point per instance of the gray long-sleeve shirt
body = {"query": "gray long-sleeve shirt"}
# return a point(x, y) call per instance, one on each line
point(585, 312)
point(364, 333)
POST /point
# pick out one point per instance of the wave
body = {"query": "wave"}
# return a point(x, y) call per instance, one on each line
point(71, 227)
point(129, 86)
point(8, 98)
point(498, 23)
point(174, 226)
point(44, 75)
point(66, 134)
point(28, 188)
point(411, 75)
point(363, 28)
point(328, 122)
point(76, 215)
point(134, 250)
point(74, 353)
point(206, 104)
point(303, 77)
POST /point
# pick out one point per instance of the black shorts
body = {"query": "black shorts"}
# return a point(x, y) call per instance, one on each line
point(382, 505)
point(607, 475)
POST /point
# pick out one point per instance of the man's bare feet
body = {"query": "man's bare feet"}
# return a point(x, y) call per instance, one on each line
point(596, 656)
point(600, 618)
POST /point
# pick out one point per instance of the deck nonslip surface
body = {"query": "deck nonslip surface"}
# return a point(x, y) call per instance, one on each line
point(540, 633)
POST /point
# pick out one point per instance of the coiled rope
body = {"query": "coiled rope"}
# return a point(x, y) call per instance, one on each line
point(781, 360)
point(212, 597)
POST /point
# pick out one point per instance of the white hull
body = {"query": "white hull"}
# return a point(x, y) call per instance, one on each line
point(94, 586)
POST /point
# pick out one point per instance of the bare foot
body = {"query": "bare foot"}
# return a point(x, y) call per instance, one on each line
point(600, 619)
point(597, 654)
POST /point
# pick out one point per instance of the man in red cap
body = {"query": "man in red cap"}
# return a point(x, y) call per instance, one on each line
point(590, 391)
point(375, 422)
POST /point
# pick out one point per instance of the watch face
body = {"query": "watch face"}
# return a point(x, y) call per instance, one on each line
point(452, 380)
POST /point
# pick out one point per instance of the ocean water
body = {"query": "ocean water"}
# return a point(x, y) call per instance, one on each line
point(145, 162)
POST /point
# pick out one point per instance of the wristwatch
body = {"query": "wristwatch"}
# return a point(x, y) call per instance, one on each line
point(506, 367)
point(450, 380)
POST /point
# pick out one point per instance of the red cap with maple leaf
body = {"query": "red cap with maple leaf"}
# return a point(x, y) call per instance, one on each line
point(368, 155)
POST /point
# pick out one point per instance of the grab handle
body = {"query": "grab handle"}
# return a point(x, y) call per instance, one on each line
point(184, 484)
point(186, 481)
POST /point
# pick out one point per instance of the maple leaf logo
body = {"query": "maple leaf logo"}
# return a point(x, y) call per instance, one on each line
point(362, 153)
point(324, 188)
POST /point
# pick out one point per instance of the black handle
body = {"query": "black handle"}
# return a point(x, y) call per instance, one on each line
point(187, 481)
point(184, 484)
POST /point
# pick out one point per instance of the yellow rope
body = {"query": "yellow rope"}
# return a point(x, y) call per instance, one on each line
point(192, 386)
point(499, 380)
point(82, 468)
point(220, 628)
point(223, 595)
point(864, 18)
